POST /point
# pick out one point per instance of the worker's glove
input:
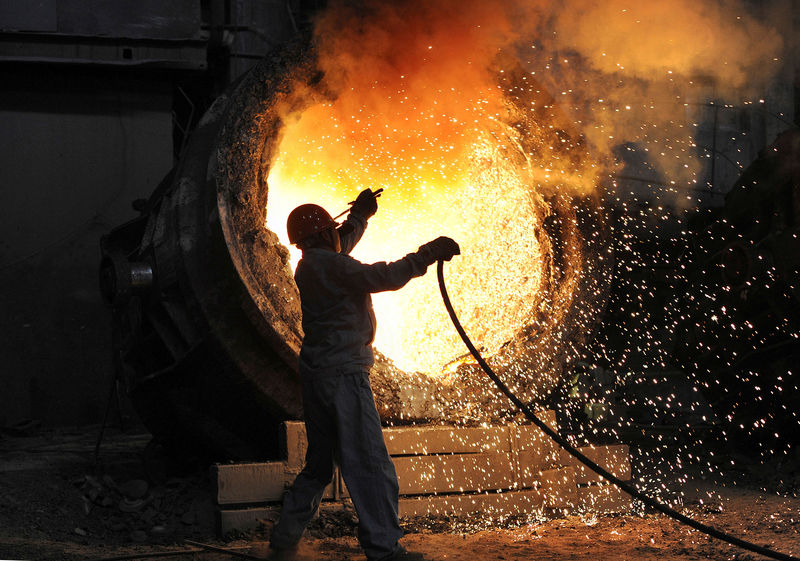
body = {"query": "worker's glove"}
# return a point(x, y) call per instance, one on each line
point(366, 204)
point(440, 249)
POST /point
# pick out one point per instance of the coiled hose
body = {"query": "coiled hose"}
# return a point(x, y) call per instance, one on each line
point(627, 487)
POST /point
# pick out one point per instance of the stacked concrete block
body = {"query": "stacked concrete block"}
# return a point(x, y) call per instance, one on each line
point(444, 470)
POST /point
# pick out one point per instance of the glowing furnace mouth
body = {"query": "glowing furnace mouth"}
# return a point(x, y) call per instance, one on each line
point(515, 188)
point(493, 212)
point(492, 189)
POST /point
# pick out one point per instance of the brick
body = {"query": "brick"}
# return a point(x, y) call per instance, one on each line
point(491, 503)
point(454, 473)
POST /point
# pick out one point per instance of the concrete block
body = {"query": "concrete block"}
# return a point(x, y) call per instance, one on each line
point(530, 436)
point(250, 483)
point(558, 487)
point(530, 464)
point(341, 489)
point(604, 499)
point(295, 443)
point(257, 483)
point(229, 520)
point(430, 439)
point(555, 492)
point(614, 458)
point(454, 473)
point(422, 440)
point(491, 503)
point(244, 519)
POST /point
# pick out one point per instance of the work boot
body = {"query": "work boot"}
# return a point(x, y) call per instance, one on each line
point(402, 554)
point(291, 553)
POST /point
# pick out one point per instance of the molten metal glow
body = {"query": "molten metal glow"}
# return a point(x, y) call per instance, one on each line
point(478, 191)
point(460, 173)
point(422, 114)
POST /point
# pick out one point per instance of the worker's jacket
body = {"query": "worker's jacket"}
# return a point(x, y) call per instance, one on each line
point(335, 289)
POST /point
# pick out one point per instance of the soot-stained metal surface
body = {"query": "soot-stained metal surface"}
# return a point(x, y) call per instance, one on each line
point(208, 353)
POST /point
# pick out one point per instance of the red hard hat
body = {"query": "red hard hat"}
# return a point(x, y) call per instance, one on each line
point(306, 220)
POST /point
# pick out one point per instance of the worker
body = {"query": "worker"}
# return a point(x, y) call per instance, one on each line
point(341, 420)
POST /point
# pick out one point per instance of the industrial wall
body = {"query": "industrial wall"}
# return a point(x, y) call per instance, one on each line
point(96, 101)
point(86, 114)
point(76, 148)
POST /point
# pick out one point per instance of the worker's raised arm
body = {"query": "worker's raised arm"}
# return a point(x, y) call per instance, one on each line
point(381, 276)
point(350, 232)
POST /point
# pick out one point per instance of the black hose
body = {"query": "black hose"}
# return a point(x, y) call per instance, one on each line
point(627, 487)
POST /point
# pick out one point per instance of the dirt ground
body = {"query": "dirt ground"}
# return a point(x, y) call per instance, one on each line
point(57, 504)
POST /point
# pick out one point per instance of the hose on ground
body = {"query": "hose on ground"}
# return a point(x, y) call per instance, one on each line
point(627, 487)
